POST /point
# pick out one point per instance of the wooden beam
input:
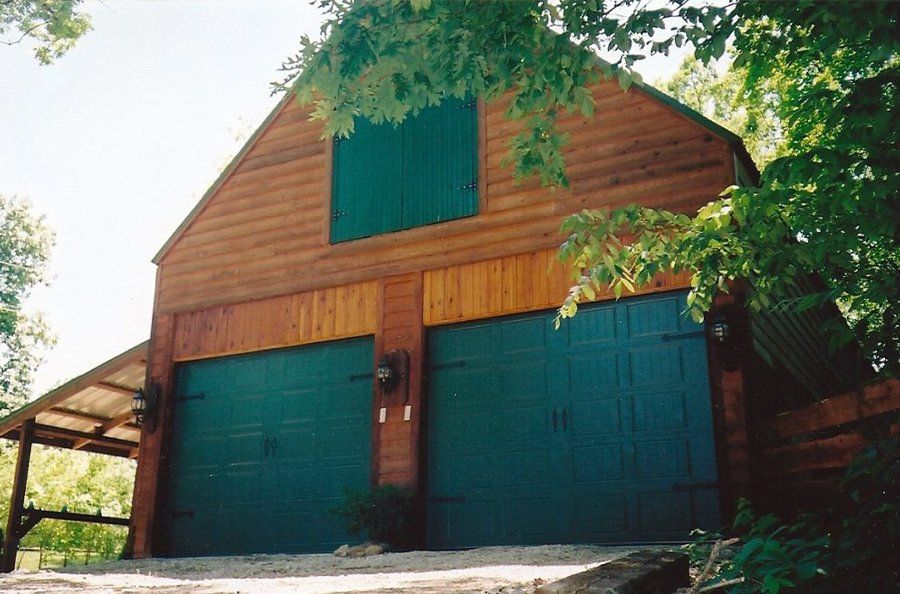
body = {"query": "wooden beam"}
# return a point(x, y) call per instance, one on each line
point(112, 387)
point(33, 516)
point(79, 435)
point(17, 501)
point(57, 396)
point(116, 421)
point(76, 414)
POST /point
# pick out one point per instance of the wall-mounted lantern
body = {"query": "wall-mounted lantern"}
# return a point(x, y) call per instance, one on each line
point(386, 375)
point(144, 406)
point(392, 373)
point(720, 329)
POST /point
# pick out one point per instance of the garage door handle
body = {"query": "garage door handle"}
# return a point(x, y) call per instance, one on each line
point(266, 445)
point(273, 445)
point(565, 419)
point(553, 420)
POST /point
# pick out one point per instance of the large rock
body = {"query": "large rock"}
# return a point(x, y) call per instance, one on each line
point(342, 551)
point(366, 549)
point(642, 572)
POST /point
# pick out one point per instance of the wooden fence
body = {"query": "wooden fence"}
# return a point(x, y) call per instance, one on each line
point(805, 451)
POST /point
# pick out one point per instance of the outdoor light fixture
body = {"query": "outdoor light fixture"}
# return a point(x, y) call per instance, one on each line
point(143, 405)
point(392, 371)
point(720, 329)
point(385, 375)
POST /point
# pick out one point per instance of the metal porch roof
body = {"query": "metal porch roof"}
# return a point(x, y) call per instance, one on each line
point(91, 412)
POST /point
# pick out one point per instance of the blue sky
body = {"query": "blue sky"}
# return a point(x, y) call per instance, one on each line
point(116, 141)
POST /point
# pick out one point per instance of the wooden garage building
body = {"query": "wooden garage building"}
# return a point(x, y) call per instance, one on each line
point(309, 260)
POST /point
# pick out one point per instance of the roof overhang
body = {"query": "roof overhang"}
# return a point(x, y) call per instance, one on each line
point(91, 412)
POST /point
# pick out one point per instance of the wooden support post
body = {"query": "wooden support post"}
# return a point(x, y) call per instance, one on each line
point(17, 502)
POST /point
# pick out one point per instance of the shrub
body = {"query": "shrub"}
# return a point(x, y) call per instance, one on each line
point(385, 514)
point(849, 547)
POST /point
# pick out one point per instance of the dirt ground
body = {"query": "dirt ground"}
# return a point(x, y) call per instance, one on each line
point(490, 570)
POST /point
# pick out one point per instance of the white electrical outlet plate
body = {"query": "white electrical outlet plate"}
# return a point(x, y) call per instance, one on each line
point(407, 412)
point(382, 415)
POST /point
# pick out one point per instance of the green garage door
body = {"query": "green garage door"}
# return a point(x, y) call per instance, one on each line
point(598, 432)
point(264, 445)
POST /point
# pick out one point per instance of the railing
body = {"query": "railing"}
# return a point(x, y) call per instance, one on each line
point(804, 451)
point(38, 558)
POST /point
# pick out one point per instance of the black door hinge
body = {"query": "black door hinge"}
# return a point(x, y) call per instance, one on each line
point(685, 336)
point(450, 365)
point(457, 499)
point(694, 487)
point(472, 185)
point(199, 396)
point(336, 214)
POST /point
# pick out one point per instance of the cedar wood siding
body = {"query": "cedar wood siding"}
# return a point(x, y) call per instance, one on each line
point(252, 268)
point(265, 232)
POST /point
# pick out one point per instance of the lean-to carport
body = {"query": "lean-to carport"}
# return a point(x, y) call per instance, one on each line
point(91, 413)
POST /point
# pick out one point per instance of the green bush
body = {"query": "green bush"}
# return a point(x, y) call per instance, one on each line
point(849, 547)
point(385, 513)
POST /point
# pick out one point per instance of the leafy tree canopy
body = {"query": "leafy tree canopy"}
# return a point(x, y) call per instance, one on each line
point(52, 25)
point(717, 92)
point(826, 206)
point(25, 243)
point(82, 482)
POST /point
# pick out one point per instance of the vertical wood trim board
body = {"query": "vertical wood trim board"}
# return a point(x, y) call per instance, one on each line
point(288, 320)
point(514, 284)
point(396, 451)
point(150, 476)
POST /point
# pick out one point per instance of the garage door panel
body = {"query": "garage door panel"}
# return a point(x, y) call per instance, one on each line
point(600, 518)
point(662, 459)
point(592, 328)
point(249, 374)
point(293, 431)
point(473, 521)
point(593, 463)
point(594, 375)
point(522, 381)
point(596, 417)
point(653, 317)
point(524, 424)
point(630, 380)
point(664, 512)
point(244, 484)
point(529, 468)
point(461, 473)
point(469, 433)
point(655, 365)
point(467, 344)
point(527, 521)
point(524, 336)
point(659, 410)
point(196, 452)
point(198, 485)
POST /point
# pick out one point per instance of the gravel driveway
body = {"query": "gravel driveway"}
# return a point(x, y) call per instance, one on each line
point(491, 570)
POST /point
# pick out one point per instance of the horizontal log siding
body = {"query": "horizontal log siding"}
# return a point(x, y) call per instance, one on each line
point(513, 284)
point(263, 233)
point(313, 316)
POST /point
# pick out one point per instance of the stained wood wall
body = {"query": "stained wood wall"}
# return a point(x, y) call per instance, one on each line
point(312, 316)
point(512, 284)
point(253, 268)
point(264, 232)
point(805, 451)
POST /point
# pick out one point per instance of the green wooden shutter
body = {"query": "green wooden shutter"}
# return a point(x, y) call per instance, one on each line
point(439, 164)
point(366, 179)
point(388, 178)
